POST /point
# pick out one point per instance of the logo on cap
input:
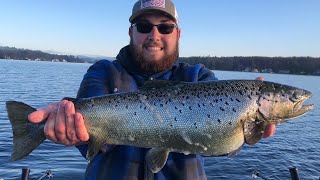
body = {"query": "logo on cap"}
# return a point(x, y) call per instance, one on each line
point(153, 3)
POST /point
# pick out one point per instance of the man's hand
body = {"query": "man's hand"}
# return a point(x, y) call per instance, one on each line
point(271, 128)
point(63, 125)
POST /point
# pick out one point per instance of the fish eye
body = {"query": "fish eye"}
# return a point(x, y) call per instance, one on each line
point(296, 96)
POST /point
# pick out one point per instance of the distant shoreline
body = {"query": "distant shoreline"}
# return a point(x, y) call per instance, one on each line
point(215, 69)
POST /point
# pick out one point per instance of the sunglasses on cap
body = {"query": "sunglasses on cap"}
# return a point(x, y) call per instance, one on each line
point(146, 27)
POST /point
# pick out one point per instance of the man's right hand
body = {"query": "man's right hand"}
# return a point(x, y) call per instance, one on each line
point(64, 125)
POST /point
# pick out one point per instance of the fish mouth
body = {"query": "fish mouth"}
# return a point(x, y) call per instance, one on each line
point(300, 109)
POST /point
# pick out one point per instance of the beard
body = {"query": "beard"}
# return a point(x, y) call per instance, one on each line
point(148, 66)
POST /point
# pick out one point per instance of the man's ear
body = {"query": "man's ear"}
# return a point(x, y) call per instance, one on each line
point(178, 33)
point(130, 31)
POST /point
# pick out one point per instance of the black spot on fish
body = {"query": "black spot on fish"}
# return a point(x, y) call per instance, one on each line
point(145, 108)
point(126, 106)
point(180, 111)
point(199, 105)
point(231, 99)
point(227, 103)
point(209, 116)
point(234, 109)
point(187, 97)
point(175, 119)
point(249, 97)
point(237, 100)
point(175, 107)
point(203, 104)
point(182, 104)
point(222, 109)
point(190, 107)
point(240, 92)
point(264, 98)
point(161, 105)
point(135, 113)
point(230, 123)
point(219, 121)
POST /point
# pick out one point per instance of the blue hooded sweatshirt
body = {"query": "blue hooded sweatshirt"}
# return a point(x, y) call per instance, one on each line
point(128, 162)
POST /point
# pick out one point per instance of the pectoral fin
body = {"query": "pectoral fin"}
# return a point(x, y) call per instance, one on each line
point(253, 130)
point(235, 152)
point(156, 159)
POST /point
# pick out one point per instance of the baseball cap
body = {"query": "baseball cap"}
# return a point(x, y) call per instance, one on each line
point(147, 6)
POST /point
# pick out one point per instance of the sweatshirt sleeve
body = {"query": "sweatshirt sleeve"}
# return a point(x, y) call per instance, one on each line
point(94, 82)
point(193, 73)
point(206, 74)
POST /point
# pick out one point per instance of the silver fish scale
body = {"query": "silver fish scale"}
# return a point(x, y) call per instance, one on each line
point(206, 119)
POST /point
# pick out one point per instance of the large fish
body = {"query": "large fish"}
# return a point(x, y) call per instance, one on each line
point(208, 118)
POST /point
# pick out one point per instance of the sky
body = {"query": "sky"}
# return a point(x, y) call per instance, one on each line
point(208, 27)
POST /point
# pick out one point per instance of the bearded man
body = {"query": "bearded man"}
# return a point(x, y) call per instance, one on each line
point(152, 54)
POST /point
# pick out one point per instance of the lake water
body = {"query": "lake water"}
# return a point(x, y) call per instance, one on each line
point(296, 143)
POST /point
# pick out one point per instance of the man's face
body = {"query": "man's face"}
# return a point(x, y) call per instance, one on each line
point(154, 52)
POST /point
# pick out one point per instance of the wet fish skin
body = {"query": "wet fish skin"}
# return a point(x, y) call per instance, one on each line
point(208, 118)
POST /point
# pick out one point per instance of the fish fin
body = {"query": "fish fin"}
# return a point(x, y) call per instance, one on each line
point(156, 159)
point(253, 130)
point(26, 135)
point(157, 84)
point(235, 152)
point(94, 147)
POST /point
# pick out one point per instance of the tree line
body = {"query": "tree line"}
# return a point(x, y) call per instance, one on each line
point(25, 54)
point(292, 65)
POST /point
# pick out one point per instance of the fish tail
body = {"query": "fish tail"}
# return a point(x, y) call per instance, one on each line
point(26, 135)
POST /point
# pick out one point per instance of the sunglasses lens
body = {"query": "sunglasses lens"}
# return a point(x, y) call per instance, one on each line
point(165, 28)
point(145, 27)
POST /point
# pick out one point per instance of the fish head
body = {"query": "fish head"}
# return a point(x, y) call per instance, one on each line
point(279, 103)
